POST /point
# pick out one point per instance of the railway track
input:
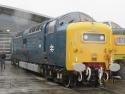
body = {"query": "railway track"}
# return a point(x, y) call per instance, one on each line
point(18, 81)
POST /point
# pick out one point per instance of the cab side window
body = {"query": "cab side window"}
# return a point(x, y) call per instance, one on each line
point(51, 27)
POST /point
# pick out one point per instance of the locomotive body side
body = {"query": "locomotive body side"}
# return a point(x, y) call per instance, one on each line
point(30, 46)
point(16, 46)
point(56, 47)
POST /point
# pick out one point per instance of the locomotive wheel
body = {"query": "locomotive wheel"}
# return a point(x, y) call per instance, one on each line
point(50, 74)
point(94, 78)
point(68, 80)
point(122, 70)
point(42, 71)
point(45, 71)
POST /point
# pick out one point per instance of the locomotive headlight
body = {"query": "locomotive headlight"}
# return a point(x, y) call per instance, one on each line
point(85, 37)
point(102, 37)
point(114, 67)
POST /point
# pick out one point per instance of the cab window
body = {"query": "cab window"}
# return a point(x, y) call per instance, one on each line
point(51, 27)
point(93, 37)
point(120, 40)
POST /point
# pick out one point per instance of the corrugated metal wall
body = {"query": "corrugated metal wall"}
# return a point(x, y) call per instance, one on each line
point(5, 41)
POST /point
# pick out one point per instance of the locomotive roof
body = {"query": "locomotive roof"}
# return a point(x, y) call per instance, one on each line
point(75, 17)
point(118, 31)
point(113, 24)
point(67, 18)
point(19, 34)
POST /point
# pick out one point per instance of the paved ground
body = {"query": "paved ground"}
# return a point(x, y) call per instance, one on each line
point(117, 88)
point(18, 81)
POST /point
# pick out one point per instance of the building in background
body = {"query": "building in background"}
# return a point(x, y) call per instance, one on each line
point(13, 21)
point(5, 43)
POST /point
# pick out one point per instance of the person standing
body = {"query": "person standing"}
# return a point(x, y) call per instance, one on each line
point(2, 60)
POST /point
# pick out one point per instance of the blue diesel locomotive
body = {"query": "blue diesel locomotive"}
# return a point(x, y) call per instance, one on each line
point(55, 49)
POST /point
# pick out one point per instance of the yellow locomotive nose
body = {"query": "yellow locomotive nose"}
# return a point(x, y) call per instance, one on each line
point(85, 44)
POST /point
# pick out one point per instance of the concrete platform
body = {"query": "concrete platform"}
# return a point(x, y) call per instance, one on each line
point(15, 80)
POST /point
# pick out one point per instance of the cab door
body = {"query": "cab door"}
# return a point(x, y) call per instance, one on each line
point(50, 42)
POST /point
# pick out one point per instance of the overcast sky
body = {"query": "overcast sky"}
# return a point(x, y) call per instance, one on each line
point(100, 10)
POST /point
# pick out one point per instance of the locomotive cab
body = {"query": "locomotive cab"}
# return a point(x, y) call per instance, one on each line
point(89, 46)
point(88, 49)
